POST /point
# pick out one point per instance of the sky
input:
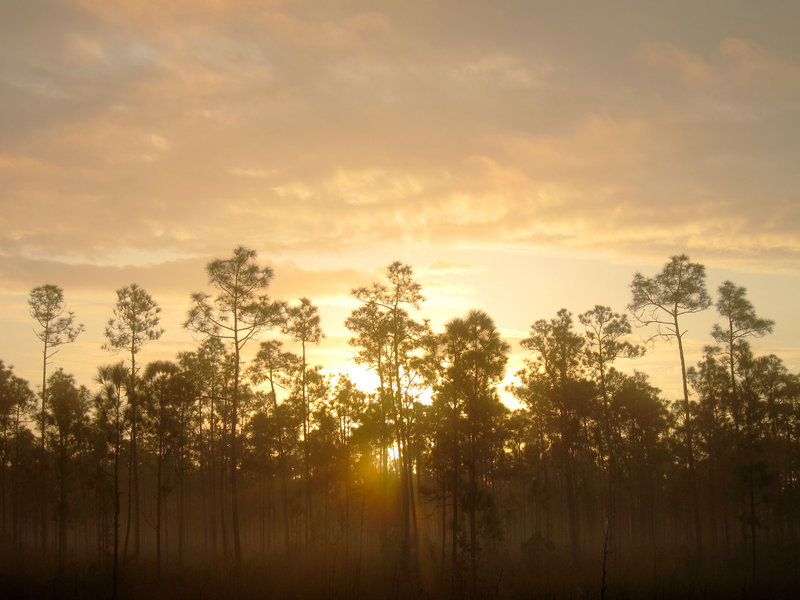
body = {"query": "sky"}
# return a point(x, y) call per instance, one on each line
point(520, 156)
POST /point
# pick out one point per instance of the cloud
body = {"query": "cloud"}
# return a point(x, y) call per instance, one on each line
point(735, 63)
point(140, 132)
point(451, 266)
point(174, 278)
point(19, 275)
point(503, 70)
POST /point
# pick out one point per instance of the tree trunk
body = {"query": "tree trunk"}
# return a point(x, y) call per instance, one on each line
point(62, 502)
point(159, 499)
point(115, 571)
point(456, 574)
point(306, 450)
point(237, 543)
point(43, 458)
point(690, 447)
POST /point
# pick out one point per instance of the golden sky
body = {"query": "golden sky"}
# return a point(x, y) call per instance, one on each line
point(522, 156)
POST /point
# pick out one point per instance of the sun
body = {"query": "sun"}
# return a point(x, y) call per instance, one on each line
point(364, 379)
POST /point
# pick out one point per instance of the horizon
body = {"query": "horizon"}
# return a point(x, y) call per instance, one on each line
point(334, 354)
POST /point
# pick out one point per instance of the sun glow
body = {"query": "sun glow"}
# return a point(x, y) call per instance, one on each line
point(364, 379)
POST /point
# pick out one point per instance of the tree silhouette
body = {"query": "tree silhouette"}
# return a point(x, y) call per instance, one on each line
point(211, 370)
point(678, 290)
point(112, 379)
point(391, 338)
point(605, 343)
point(741, 323)
point(474, 360)
point(239, 312)
point(168, 394)
point(56, 327)
point(135, 322)
point(69, 418)
point(302, 324)
point(275, 367)
point(558, 363)
point(16, 401)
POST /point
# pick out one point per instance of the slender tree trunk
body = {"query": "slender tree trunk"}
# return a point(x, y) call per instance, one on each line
point(271, 512)
point(3, 499)
point(347, 507)
point(753, 523)
point(159, 498)
point(62, 502)
point(569, 472)
point(223, 489)
point(263, 516)
point(281, 462)
point(611, 503)
point(714, 502)
point(181, 488)
point(115, 573)
point(212, 472)
point(306, 450)
point(129, 506)
point(133, 492)
point(237, 543)
point(205, 483)
point(473, 484)
point(137, 528)
point(473, 523)
point(572, 509)
point(690, 446)
point(736, 413)
point(456, 574)
point(42, 449)
point(405, 480)
point(15, 499)
point(444, 516)
point(384, 455)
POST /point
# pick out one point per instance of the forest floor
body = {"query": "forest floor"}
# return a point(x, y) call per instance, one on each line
point(26, 575)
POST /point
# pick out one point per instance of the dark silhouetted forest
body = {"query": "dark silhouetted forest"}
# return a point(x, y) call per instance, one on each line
point(239, 470)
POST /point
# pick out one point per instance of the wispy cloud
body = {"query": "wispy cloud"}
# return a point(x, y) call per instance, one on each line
point(182, 130)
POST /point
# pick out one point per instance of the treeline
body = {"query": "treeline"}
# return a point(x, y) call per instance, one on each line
point(430, 483)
